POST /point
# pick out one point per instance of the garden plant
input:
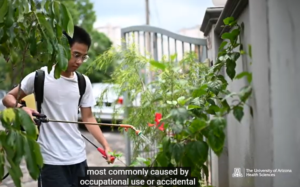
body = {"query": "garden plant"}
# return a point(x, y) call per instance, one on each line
point(191, 97)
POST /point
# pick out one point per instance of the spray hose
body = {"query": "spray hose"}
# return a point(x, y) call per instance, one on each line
point(42, 118)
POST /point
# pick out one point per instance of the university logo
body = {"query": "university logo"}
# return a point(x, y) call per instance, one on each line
point(237, 172)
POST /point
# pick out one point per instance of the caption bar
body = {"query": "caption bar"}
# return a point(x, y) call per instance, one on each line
point(138, 176)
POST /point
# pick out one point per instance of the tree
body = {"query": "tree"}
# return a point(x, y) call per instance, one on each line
point(82, 14)
point(30, 34)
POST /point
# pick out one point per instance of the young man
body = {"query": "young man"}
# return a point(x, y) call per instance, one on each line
point(62, 146)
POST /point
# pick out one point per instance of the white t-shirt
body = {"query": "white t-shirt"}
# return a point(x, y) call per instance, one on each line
point(61, 143)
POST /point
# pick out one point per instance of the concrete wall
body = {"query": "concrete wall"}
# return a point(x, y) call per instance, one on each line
point(239, 147)
point(239, 134)
point(281, 51)
point(271, 139)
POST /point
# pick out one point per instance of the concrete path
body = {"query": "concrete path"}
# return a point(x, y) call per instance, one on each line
point(94, 158)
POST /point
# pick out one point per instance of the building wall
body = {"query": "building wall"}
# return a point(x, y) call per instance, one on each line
point(239, 142)
point(239, 134)
point(112, 32)
point(283, 54)
point(271, 139)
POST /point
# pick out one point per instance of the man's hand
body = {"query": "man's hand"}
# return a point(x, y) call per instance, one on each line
point(30, 111)
point(107, 151)
point(87, 116)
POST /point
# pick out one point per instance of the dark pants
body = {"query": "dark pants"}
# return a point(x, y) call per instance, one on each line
point(61, 176)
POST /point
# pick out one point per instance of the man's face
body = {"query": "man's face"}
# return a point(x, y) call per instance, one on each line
point(78, 56)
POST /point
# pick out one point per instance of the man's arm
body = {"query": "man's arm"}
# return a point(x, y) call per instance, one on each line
point(10, 100)
point(87, 116)
point(27, 88)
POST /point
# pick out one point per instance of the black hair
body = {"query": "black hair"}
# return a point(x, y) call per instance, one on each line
point(80, 36)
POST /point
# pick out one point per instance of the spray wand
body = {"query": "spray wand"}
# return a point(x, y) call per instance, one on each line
point(42, 118)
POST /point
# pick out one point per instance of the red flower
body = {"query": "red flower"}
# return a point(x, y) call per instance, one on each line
point(158, 117)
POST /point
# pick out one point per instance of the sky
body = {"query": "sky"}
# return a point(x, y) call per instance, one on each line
point(171, 15)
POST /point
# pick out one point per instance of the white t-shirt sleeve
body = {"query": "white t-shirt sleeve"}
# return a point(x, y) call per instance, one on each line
point(27, 84)
point(88, 99)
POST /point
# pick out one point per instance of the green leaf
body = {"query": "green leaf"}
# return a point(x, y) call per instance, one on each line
point(56, 6)
point(7, 117)
point(162, 159)
point(210, 101)
point(3, 10)
point(186, 161)
point(14, 170)
point(45, 24)
point(226, 107)
point(177, 150)
point(206, 172)
point(227, 35)
point(213, 109)
point(19, 149)
point(200, 91)
point(197, 151)
point(14, 173)
point(32, 5)
point(47, 5)
point(2, 163)
point(173, 57)
point(158, 65)
point(241, 48)
point(61, 58)
point(172, 102)
point(67, 20)
point(242, 74)
point(135, 163)
point(215, 140)
point(9, 18)
point(181, 100)
point(245, 93)
point(190, 107)
point(196, 172)
point(32, 42)
point(25, 120)
point(232, 36)
point(33, 157)
point(235, 33)
point(141, 159)
point(223, 44)
point(235, 56)
point(59, 32)
point(179, 114)
point(250, 50)
point(238, 112)
point(229, 21)
point(10, 141)
point(166, 145)
point(230, 68)
point(57, 72)
point(197, 125)
point(177, 127)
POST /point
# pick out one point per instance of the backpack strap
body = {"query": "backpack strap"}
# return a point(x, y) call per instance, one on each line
point(81, 85)
point(39, 88)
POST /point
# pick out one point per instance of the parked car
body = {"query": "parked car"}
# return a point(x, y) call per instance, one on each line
point(109, 103)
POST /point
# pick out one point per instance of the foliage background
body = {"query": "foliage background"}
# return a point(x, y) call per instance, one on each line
point(83, 14)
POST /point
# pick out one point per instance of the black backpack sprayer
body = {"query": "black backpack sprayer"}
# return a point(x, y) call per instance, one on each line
point(41, 118)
